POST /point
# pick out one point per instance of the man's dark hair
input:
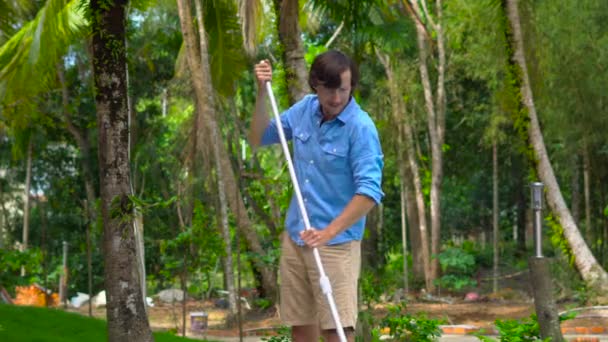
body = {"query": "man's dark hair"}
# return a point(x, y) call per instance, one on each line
point(327, 68)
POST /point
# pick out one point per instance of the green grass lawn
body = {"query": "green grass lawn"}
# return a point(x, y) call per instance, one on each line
point(31, 324)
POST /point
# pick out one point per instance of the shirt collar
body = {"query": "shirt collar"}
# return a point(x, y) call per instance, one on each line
point(346, 113)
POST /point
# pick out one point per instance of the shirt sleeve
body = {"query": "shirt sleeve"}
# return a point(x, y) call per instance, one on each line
point(289, 119)
point(367, 162)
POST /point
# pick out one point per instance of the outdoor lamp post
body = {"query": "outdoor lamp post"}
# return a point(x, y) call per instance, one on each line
point(540, 275)
point(536, 189)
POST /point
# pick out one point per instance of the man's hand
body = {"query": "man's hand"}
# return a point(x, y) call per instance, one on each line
point(316, 238)
point(263, 73)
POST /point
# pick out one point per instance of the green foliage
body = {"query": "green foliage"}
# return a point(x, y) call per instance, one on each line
point(515, 331)
point(195, 248)
point(263, 303)
point(28, 59)
point(457, 267)
point(526, 330)
point(407, 327)
point(558, 240)
point(371, 286)
point(284, 335)
point(11, 262)
point(226, 55)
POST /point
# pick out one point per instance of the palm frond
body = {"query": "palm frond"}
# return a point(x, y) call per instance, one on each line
point(226, 54)
point(13, 12)
point(28, 59)
point(250, 13)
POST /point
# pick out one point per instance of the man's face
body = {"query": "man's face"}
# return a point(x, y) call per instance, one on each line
point(333, 100)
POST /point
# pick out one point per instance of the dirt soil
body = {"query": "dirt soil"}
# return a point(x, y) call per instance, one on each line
point(481, 313)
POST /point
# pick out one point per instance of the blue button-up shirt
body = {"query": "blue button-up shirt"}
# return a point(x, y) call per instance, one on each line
point(333, 161)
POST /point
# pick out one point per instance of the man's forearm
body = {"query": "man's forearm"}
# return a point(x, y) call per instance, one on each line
point(260, 119)
point(358, 207)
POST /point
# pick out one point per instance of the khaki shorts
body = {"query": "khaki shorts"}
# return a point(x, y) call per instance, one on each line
point(302, 301)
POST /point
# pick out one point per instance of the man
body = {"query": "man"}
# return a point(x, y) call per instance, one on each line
point(338, 162)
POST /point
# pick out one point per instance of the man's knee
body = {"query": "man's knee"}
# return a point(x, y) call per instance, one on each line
point(305, 333)
point(331, 335)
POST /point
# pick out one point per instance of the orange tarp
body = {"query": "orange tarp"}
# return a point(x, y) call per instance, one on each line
point(34, 296)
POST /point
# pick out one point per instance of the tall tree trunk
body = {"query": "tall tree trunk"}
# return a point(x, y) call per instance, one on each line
point(5, 227)
point(437, 145)
point(140, 270)
point(435, 119)
point(495, 234)
point(590, 270)
point(414, 224)
point(403, 189)
point(587, 192)
point(26, 199)
point(371, 255)
point(287, 12)
point(206, 120)
point(575, 202)
point(3, 230)
point(84, 146)
point(517, 173)
point(399, 114)
point(126, 315)
point(217, 142)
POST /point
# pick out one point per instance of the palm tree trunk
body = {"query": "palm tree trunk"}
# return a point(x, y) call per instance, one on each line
point(590, 270)
point(293, 53)
point(206, 119)
point(126, 315)
point(217, 142)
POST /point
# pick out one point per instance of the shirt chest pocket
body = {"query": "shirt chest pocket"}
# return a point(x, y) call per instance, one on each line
point(335, 157)
point(302, 143)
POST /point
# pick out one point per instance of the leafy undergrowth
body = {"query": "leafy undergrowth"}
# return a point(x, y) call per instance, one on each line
point(24, 323)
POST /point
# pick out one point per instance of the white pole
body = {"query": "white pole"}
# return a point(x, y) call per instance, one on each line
point(324, 281)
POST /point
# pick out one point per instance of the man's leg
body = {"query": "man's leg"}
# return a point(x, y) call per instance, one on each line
point(305, 333)
point(342, 266)
point(332, 335)
point(297, 308)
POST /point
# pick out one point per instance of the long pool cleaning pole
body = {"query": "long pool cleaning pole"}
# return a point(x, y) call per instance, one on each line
point(324, 281)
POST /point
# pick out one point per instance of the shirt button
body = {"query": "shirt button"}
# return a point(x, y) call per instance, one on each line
point(307, 181)
point(312, 161)
point(305, 199)
point(334, 150)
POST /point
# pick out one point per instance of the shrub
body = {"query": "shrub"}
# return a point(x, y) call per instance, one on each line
point(458, 267)
point(415, 328)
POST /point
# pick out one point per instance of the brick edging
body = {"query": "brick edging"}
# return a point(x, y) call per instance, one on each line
point(464, 329)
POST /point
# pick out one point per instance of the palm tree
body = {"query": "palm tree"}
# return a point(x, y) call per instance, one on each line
point(126, 314)
point(207, 124)
point(216, 143)
point(288, 25)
